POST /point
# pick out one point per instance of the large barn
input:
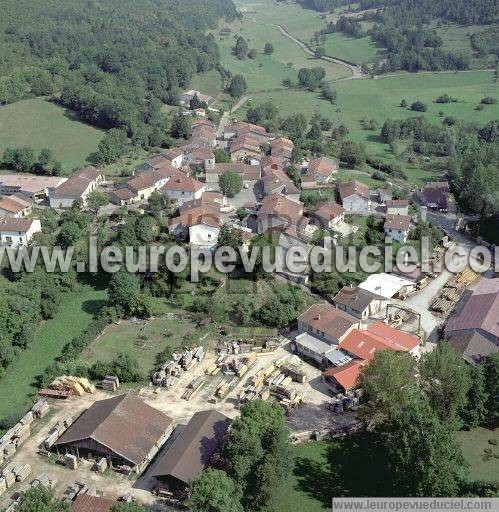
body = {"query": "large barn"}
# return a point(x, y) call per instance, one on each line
point(192, 450)
point(123, 429)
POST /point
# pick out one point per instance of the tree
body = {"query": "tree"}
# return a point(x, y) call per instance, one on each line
point(230, 184)
point(419, 106)
point(112, 146)
point(123, 366)
point(445, 381)
point(423, 458)
point(258, 453)
point(268, 49)
point(96, 199)
point(181, 126)
point(328, 93)
point(389, 385)
point(319, 52)
point(230, 237)
point(491, 373)
point(241, 48)
point(252, 54)
point(221, 156)
point(214, 491)
point(41, 499)
point(68, 235)
point(352, 154)
point(123, 291)
point(474, 412)
point(237, 86)
point(403, 103)
point(241, 213)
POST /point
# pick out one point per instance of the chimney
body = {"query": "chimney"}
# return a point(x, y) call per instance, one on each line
point(362, 325)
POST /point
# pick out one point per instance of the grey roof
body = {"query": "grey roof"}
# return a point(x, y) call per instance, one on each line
point(191, 452)
point(337, 357)
point(355, 298)
point(312, 343)
point(473, 346)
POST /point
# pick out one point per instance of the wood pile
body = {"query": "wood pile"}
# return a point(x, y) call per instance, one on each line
point(76, 385)
point(193, 388)
point(110, 383)
point(453, 290)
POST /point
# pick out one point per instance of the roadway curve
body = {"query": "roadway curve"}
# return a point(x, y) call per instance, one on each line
point(355, 70)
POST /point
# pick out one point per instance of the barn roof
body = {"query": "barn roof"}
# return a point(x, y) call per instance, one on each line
point(190, 453)
point(124, 424)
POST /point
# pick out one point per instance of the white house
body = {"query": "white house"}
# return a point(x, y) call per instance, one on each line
point(328, 215)
point(201, 224)
point(140, 187)
point(78, 186)
point(397, 206)
point(397, 227)
point(34, 187)
point(175, 157)
point(16, 232)
point(355, 197)
point(184, 188)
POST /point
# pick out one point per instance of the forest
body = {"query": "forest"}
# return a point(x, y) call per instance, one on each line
point(113, 61)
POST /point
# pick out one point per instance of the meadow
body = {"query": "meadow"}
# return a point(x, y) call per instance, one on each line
point(18, 386)
point(38, 123)
point(144, 340)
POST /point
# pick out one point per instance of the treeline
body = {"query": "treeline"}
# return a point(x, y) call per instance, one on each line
point(26, 160)
point(472, 153)
point(113, 61)
point(323, 5)
point(411, 12)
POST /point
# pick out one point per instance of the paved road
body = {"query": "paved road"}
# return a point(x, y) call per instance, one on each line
point(355, 70)
point(225, 119)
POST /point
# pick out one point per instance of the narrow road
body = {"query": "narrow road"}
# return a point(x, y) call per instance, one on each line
point(227, 114)
point(355, 70)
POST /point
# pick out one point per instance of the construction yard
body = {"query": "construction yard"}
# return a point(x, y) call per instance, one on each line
point(310, 416)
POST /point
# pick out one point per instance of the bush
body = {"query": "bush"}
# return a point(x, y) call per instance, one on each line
point(419, 106)
point(488, 100)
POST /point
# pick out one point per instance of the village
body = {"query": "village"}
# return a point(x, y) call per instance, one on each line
point(98, 442)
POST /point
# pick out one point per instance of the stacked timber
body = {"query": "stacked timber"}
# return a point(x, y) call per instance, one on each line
point(76, 385)
point(111, 383)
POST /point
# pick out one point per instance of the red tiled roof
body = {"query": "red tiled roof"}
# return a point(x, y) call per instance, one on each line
point(398, 222)
point(396, 202)
point(88, 503)
point(346, 375)
point(183, 182)
point(208, 214)
point(349, 188)
point(14, 203)
point(12, 224)
point(278, 204)
point(322, 165)
point(328, 211)
point(329, 320)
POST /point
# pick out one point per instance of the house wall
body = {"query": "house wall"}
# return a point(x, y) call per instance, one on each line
point(17, 239)
point(396, 234)
point(356, 204)
point(397, 210)
point(19, 215)
point(182, 196)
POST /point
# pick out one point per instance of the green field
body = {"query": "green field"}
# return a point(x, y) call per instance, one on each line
point(144, 340)
point(380, 99)
point(351, 49)
point(475, 445)
point(17, 386)
point(38, 123)
point(266, 72)
point(207, 83)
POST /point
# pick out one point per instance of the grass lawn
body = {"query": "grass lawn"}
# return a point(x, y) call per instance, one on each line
point(144, 340)
point(17, 386)
point(38, 123)
point(207, 83)
point(482, 456)
point(347, 466)
point(356, 50)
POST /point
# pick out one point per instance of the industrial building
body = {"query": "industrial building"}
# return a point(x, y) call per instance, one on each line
point(123, 429)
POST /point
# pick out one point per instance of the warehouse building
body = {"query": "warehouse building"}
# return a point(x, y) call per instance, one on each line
point(193, 449)
point(123, 429)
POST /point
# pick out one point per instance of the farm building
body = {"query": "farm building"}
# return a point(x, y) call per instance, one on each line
point(192, 450)
point(479, 313)
point(358, 302)
point(78, 186)
point(16, 232)
point(123, 429)
point(89, 503)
